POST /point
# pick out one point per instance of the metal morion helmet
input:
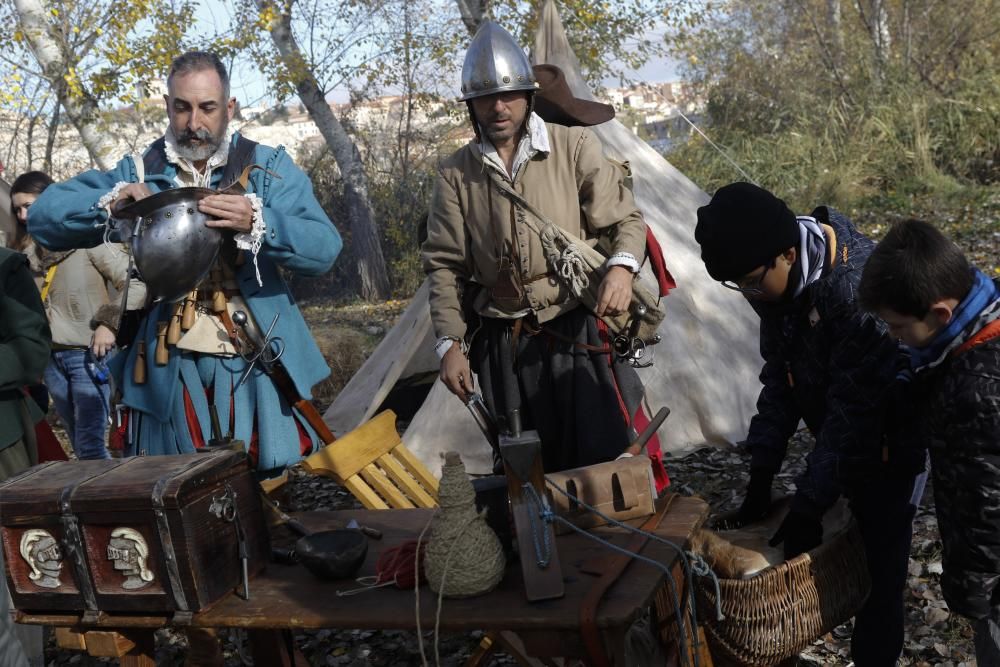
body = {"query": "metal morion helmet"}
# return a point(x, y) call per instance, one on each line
point(495, 63)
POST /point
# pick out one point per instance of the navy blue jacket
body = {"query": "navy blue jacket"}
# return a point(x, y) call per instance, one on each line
point(829, 364)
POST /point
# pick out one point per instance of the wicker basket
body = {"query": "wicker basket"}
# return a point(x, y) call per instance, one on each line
point(779, 611)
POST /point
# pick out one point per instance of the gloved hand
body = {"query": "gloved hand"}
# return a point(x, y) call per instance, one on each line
point(800, 532)
point(757, 501)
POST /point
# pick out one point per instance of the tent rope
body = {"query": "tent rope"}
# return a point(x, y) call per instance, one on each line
point(680, 113)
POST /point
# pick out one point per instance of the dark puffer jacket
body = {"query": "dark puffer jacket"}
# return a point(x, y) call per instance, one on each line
point(960, 404)
point(830, 364)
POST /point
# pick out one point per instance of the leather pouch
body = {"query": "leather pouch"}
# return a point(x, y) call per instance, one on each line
point(507, 294)
point(621, 489)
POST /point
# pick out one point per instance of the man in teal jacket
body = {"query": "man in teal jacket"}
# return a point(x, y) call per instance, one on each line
point(277, 223)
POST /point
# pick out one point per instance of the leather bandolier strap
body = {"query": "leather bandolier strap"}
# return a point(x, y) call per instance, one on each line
point(612, 568)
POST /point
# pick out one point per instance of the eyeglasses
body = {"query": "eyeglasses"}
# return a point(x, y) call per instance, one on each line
point(749, 286)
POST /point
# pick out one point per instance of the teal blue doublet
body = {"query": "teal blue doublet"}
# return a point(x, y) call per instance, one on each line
point(299, 238)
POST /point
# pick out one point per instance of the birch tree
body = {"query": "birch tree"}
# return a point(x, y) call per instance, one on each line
point(59, 69)
point(373, 282)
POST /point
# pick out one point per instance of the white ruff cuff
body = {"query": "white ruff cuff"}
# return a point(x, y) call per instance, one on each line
point(107, 200)
point(252, 240)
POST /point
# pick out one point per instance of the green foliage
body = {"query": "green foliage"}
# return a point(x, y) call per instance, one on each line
point(817, 121)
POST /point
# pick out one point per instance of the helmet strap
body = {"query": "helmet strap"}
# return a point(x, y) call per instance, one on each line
point(475, 123)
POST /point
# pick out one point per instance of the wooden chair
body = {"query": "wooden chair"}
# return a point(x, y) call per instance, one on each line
point(373, 464)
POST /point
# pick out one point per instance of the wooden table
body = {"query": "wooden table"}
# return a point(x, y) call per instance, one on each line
point(288, 597)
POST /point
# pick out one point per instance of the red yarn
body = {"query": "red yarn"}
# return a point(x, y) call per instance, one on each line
point(396, 564)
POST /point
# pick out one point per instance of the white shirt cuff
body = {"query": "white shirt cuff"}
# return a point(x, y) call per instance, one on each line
point(625, 259)
point(444, 344)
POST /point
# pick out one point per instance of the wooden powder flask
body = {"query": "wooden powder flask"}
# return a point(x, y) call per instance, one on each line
point(188, 314)
point(139, 370)
point(536, 539)
point(174, 328)
point(218, 295)
point(162, 354)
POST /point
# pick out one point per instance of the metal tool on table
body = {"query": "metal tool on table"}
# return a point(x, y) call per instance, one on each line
point(328, 554)
point(521, 453)
point(271, 364)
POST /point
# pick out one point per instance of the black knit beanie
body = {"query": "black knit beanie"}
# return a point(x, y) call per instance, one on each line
point(743, 227)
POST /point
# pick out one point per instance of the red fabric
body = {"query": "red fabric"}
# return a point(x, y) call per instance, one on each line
point(397, 565)
point(49, 448)
point(989, 332)
point(659, 266)
point(639, 421)
point(116, 436)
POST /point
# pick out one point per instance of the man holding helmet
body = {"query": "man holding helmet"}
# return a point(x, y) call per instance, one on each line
point(173, 379)
point(498, 303)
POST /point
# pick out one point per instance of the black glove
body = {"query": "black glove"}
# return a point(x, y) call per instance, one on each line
point(800, 532)
point(757, 501)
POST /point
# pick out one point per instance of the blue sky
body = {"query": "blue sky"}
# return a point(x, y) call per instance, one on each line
point(248, 84)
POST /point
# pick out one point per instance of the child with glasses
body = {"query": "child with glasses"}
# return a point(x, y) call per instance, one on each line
point(830, 364)
point(947, 315)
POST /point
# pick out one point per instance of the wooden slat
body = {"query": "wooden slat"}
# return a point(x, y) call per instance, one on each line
point(378, 481)
point(350, 454)
point(107, 644)
point(68, 638)
point(275, 483)
point(406, 482)
point(416, 468)
point(360, 490)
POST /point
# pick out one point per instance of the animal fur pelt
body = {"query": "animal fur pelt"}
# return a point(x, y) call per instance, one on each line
point(743, 552)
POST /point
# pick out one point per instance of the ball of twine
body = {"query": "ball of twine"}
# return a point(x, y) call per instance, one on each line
point(464, 557)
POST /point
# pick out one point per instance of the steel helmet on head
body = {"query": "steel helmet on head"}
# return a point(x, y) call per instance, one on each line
point(495, 63)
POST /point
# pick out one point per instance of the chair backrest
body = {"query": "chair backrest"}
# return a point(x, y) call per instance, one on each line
point(373, 464)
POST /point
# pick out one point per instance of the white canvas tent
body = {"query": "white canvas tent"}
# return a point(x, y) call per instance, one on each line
point(706, 367)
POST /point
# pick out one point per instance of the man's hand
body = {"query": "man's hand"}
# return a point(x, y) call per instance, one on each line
point(229, 211)
point(129, 193)
point(103, 341)
point(615, 293)
point(456, 372)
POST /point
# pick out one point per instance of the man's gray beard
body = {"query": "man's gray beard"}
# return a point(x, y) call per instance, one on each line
point(201, 152)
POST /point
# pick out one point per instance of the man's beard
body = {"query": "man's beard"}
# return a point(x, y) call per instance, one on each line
point(204, 149)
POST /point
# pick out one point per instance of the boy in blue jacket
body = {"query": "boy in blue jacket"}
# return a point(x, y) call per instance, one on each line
point(830, 364)
point(947, 314)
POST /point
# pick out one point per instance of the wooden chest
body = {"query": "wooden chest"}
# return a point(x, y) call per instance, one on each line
point(146, 535)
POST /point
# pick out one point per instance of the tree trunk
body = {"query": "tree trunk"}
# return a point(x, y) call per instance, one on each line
point(373, 280)
point(881, 40)
point(836, 33)
point(80, 107)
point(473, 13)
point(50, 141)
